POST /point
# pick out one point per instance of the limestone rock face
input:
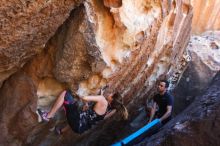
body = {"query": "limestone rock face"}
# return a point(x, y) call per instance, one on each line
point(113, 3)
point(78, 53)
point(205, 54)
point(199, 124)
point(18, 105)
point(25, 28)
point(205, 15)
point(127, 45)
point(137, 52)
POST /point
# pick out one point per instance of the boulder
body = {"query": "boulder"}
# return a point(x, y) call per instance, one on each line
point(205, 63)
point(198, 124)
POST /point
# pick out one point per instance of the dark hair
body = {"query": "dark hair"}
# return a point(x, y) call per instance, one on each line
point(166, 83)
point(117, 104)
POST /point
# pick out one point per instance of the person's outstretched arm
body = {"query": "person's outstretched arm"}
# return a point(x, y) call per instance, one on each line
point(152, 113)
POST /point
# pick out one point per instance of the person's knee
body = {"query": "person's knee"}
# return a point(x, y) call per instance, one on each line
point(63, 93)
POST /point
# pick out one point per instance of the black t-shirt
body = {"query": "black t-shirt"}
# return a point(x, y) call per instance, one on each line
point(163, 101)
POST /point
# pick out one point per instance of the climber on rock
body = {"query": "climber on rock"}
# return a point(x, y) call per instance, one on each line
point(82, 119)
point(162, 101)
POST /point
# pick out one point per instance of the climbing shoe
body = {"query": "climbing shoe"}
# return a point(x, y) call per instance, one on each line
point(43, 115)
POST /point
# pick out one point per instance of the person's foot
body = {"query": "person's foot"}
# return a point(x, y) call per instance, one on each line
point(43, 115)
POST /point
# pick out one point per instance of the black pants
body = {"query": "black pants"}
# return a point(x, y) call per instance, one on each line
point(77, 119)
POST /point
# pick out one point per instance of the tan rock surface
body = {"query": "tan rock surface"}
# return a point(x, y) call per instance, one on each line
point(128, 47)
point(77, 53)
point(17, 109)
point(136, 53)
point(25, 28)
point(205, 15)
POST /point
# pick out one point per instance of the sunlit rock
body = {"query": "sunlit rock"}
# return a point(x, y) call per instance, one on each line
point(126, 45)
point(205, 15)
point(91, 86)
point(47, 91)
point(113, 3)
point(136, 53)
point(77, 55)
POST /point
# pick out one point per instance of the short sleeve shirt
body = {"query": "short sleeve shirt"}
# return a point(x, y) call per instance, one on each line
point(163, 101)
